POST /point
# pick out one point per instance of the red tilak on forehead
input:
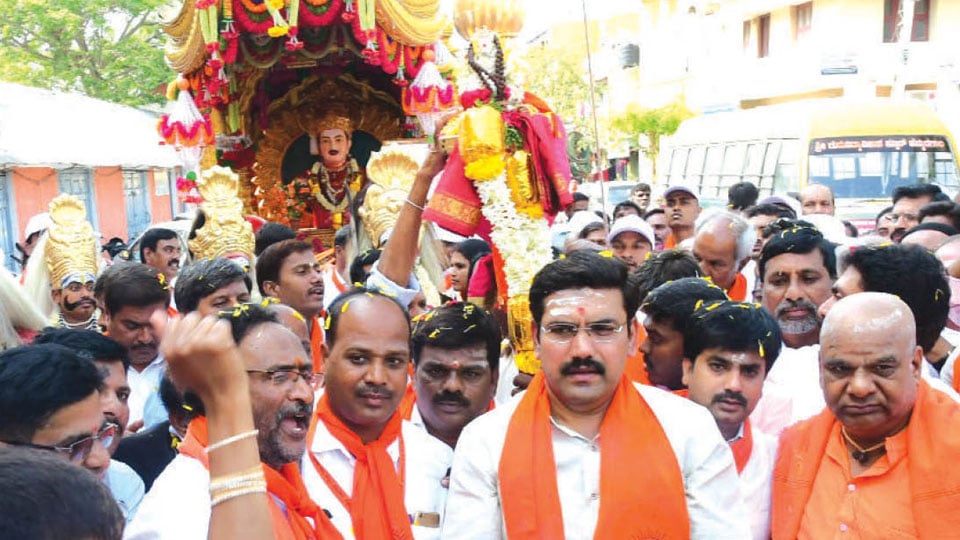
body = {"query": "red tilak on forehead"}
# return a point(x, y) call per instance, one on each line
point(581, 310)
point(299, 362)
point(455, 365)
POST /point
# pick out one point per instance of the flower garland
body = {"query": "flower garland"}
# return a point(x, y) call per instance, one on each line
point(320, 181)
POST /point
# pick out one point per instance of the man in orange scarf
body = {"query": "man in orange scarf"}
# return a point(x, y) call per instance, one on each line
point(378, 475)
point(879, 461)
point(456, 353)
point(275, 377)
point(585, 453)
point(722, 245)
point(728, 349)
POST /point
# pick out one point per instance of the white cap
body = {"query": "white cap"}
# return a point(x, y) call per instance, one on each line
point(579, 221)
point(685, 189)
point(445, 235)
point(35, 224)
point(632, 223)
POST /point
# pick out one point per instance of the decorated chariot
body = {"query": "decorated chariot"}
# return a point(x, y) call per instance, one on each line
point(320, 112)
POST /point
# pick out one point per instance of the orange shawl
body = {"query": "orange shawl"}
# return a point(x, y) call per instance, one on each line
point(738, 292)
point(285, 485)
point(376, 502)
point(743, 447)
point(933, 442)
point(635, 502)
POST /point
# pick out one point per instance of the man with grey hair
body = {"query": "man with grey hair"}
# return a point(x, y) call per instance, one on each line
point(722, 246)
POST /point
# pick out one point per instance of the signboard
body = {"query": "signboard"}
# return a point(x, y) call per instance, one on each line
point(898, 143)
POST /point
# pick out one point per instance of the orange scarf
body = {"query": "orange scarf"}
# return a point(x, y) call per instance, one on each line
point(933, 442)
point(743, 447)
point(956, 376)
point(285, 485)
point(407, 402)
point(738, 292)
point(635, 502)
point(316, 345)
point(670, 242)
point(376, 503)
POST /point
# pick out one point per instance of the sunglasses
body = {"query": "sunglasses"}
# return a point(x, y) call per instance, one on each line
point(78, 451)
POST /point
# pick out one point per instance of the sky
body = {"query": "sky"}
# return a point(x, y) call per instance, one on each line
point(541, 14)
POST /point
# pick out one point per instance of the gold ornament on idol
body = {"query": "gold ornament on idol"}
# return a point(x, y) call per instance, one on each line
point(225, 231)
point(71, 243)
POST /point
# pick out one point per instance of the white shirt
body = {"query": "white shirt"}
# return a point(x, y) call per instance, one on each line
point(709, 475)
point(426, 462)
point(142, 384)
point(126, 486)
point(755, 483)
point(177, 507)
point(330, 289)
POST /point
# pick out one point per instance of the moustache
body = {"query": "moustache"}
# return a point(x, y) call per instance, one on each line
point(581, 363)
point(174, 263)
point(381, 392)
point(70, 306)
point(729, 395)
point(451, 397)
point(297, 409)
point(794, 304)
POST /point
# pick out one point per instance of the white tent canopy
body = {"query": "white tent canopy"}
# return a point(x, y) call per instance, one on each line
point(44, 128)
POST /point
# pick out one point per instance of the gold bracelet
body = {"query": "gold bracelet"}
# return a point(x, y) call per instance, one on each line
point(253, 473)
point(234, 493)
point(233, 439)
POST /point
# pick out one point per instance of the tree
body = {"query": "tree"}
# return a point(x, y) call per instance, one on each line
point(653, 123)
point(109, 50)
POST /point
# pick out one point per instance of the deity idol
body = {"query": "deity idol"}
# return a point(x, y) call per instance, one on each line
point(334, 174)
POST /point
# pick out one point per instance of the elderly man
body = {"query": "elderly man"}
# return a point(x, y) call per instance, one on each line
point(817, 199)
point(879, 461)
point(797, 268)
point(552, 463)
point(379, 476)
point(456, 357)
point(682, 207)
point(722, 246)
point(272, 377)
point(728, 349)
point(916, 277)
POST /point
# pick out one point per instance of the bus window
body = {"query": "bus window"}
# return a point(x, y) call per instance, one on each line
point(786, 178)
point(694, 173)
point(677, 165)
point(754, 159)
point(711, 167)
point(945, 171)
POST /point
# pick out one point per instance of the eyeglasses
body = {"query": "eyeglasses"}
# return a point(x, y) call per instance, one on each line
point(600, 332)
point(80, 450)
point(282, 377)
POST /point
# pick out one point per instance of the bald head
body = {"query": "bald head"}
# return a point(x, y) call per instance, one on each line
point(817, 199)
point(870, 365)
point(867, 316)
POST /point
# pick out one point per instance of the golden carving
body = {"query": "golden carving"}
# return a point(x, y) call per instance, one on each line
point(185, 52)
point(391, 175)
point(370, 110)
point(505, 17)
point(225, 231)
point(71, 245)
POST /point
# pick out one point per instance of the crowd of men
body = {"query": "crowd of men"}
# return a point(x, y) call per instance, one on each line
point(750, 372)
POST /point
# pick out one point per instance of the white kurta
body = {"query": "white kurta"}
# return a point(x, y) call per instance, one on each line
point(426, 462)
point(755, 483)
point(177, 507)
point(706, 464)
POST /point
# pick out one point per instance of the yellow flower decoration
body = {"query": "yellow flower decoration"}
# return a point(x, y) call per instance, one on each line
point(485, 168)
point(275, 4)
point(277, 31)
point(607, 254)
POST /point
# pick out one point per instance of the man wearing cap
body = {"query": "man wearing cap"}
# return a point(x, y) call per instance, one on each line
point(60, 278)
point(683, 207)
point(722, 246)
point(631, 240)
point(31, 234)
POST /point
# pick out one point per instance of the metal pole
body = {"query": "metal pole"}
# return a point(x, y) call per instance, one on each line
point(593, 103)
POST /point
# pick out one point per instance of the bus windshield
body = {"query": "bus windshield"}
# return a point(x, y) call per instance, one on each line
point(872, 167)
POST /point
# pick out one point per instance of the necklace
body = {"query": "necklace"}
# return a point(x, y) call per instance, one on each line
point(331, 198)
point(89, 324)
point(861, 454)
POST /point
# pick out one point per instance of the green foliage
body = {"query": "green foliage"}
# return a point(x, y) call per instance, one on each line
point(110, 50)
point(556, 75)
point(653, 123)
